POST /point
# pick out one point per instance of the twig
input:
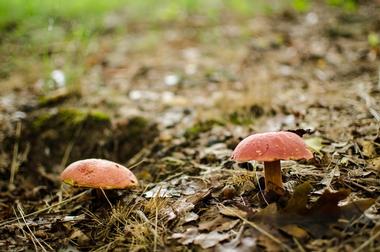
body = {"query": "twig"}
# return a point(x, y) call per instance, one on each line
point(298, 244)
point(366, 243)
point(44, 209)
point(136, 164)
point(71, 144)
point(22, 230)
point(66, 154)
point(173, 176)
point(368, 101)
point(105, 195)
point(258, 228)
point(359, 185)
point(142, 153)
point(144, 218)
point(14, 165)
point(92, 216)
point(155, 229)
point(30, 231)
point(261, 230)
point(258, 183)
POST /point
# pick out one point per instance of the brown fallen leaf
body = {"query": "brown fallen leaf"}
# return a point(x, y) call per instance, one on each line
point(314, 219)
point(211, 224)
point(218, 223)
point(190, 216)
point(205, 240)
point(236, 213)
point(238, 243)
point(355, 208)
point(80, 237)
point(326, 207)
point(228, 225)
point(211, 239)
point(232, 211)
point(297, 203)
point(375, 164)
point(369, 149)
point(268, 244)
point(187, 237)
point(295, 231)
point(329, 177)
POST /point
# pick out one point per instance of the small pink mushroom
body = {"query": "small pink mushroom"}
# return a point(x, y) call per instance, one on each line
point(98, 173)
point(271, 147)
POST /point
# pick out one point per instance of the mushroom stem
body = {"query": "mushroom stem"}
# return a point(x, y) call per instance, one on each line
point(273, 179)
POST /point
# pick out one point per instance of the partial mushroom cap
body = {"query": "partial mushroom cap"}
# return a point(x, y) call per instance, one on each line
point(271, 146)
point(98, 173)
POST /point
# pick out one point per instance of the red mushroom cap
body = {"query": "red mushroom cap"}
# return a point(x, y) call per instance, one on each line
point(271, 146)
point(98, 173)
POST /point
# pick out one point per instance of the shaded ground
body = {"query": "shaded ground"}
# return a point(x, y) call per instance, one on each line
point(176, 103)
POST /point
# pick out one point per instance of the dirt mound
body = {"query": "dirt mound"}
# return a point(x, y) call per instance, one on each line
point(51, 139)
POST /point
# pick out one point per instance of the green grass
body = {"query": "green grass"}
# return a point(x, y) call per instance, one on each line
point(34, 32)
point(40, 12)
point(305, 5)
point(83, 17)
point(19, 13)
point(22, 17)
point(41, 22)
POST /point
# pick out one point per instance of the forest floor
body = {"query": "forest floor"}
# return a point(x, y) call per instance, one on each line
point(172, 104)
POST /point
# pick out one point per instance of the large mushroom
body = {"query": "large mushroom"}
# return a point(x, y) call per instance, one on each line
point(99, 174)
point(271, 147)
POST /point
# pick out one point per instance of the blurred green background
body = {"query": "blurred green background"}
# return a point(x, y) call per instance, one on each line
point(32, 30)
point(23, 15)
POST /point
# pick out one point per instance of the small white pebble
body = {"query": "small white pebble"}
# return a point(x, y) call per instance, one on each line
point(171, 79)
point(312, 18)
point(59, 77)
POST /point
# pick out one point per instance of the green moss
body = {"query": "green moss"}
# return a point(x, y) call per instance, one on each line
point(340, 31)
point(68, 117)
point(57, 96)
point(347, 5)
point(136, 124)
point(85, 130)
point(202, 126)
point(240, 118)
point(40, 120)
point(373, 40)
point(49, 100)
point(72, 116)
point(99, 116)
point(301, 5)
point(138, 121)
